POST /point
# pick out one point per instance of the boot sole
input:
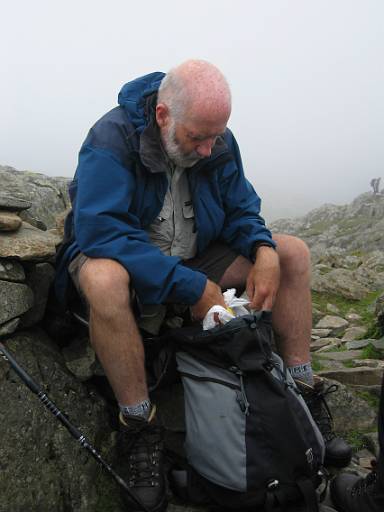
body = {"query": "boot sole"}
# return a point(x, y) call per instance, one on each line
point(161, 507)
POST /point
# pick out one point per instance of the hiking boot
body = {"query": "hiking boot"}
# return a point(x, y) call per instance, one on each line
point(140, 462)
point(337, 452)
point(351, 493)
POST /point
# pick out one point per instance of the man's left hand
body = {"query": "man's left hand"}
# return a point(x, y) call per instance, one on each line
point(263, 280)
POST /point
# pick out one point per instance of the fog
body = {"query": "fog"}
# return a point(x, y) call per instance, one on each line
point(307, 79)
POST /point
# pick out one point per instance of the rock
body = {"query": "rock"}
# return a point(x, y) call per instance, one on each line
point(331, 308)
point(42, 467)
point(346, 355)
point(11, 271)
point(342, 282)
point(79, 358)
point(379, 312)
point(9, 327)
point(349, 411)
point(27, 217)
point(15, 299)
point(330, 343)
point(371, 363)
point(353, 318)
point(361, 376)
point(372, 442)
point(28, 243)
point(354, 333)
point(9, 221)
point(356, 344)
point(48, 195)
point(335, 324)
point(319, 343)
point(321, 333)
point(60, 220)
point(39, 279)
point(316, 315)
point(378, 344)
point(13, 203)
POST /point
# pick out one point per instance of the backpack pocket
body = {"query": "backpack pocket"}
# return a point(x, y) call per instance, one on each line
point(216, 425)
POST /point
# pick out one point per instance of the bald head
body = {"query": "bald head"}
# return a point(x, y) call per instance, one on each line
point(196, 89)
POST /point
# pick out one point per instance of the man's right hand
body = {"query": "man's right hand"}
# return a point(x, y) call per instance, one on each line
point(212, 296)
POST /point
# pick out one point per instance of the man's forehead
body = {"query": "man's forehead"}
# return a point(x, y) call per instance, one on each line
point(203, 130)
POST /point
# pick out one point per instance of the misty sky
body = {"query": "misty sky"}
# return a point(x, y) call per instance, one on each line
point(307, 80)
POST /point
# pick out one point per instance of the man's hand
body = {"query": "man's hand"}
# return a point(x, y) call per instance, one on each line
point(212, 296)
point(263, 280)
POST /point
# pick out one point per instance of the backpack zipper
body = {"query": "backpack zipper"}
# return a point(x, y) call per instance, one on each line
point(241, 397)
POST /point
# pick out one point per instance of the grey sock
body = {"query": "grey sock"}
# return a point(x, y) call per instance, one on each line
point(302, 372)
point(141, 409)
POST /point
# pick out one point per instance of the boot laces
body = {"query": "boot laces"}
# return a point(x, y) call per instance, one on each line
point(144, 455)
point(364, 485)
point(321, 412)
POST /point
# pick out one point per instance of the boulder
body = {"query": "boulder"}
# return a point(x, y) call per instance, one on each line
point(345, 355)
point(361, 376)
point(9, 327)
point(354, 333)
point(46, 196)
point(9, 221)
point(11, 270)
point(42, 467)
point(335, 324)
point(39, 279)
point(28, 243)
point(15, 299)
point(349, 411)
point(13, 204)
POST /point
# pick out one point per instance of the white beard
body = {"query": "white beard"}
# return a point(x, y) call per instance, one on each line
point(173, 151)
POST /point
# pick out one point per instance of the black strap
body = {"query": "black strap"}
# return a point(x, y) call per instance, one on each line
point(309, 494)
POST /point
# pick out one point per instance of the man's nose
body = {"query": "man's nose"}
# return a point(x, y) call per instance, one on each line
point(204, 149)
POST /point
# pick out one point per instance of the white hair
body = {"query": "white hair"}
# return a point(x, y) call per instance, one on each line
point(194, 81)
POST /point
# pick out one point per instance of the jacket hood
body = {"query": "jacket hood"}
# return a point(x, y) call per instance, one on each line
point(133, 97)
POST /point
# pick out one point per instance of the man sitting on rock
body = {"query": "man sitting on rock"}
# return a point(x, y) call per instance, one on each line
point(162, 210)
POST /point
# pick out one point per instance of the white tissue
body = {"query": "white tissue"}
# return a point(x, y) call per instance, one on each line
point(218, 315)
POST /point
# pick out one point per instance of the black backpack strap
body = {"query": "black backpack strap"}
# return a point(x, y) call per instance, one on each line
point(309, 494)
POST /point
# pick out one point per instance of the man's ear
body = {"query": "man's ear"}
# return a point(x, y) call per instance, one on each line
point(162, 115)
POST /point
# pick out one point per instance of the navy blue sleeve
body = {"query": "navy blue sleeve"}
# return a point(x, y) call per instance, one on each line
point(105, 228)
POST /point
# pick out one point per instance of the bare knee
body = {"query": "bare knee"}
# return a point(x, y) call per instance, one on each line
point(105, 284)
point(294, 255)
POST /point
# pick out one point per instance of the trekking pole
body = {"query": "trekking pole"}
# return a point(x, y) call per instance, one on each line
point(75, 432)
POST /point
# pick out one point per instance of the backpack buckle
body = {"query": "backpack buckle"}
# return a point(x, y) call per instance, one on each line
point(273, 484)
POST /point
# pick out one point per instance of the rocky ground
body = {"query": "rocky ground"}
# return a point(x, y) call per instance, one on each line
point(41, 468)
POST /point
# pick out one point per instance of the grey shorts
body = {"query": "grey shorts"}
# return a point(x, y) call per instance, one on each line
point(213, 262)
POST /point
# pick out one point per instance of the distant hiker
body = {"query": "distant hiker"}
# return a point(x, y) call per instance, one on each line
point(162, 211)
point(375, 184)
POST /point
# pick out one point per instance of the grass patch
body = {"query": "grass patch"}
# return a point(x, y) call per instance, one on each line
point(316, 365)
point(370, 352)
point(356, 439)
point(349, 364)
point(370, 398)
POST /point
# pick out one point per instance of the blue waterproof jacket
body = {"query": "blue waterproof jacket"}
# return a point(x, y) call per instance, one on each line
point(117, 192)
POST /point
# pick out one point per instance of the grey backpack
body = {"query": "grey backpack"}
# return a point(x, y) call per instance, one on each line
point(250, 439)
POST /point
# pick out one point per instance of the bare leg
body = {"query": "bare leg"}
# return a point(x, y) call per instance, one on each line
point(292, 311)
point(113, 330)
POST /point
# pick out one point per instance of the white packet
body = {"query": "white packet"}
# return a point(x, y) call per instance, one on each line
point(218, 315)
